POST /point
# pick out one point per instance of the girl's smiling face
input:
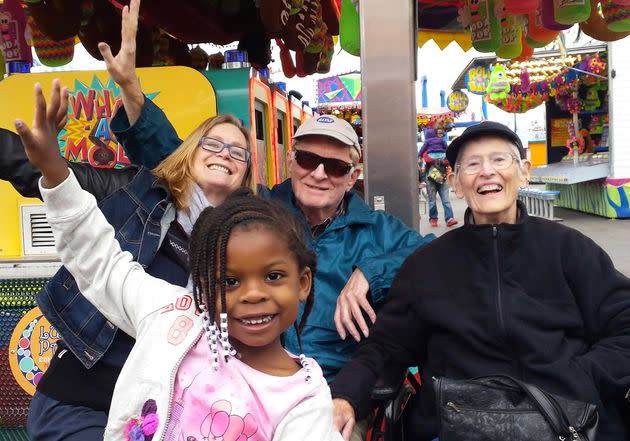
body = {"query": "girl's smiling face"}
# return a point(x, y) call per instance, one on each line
point(264, 288)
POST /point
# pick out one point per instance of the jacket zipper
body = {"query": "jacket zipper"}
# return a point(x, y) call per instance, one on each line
point(495, 242)
point(172, 381)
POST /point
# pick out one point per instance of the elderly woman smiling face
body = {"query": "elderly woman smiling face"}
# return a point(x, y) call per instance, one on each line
point(488, 174)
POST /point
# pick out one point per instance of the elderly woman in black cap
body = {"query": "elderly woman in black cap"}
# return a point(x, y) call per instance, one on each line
point(507, 294)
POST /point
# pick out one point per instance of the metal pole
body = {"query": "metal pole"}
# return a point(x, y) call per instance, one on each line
point(388, 51)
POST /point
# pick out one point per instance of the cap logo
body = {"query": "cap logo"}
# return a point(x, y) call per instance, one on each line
point(325, 119)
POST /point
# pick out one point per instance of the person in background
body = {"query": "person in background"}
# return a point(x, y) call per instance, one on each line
point(433, 154)
point(505, 294)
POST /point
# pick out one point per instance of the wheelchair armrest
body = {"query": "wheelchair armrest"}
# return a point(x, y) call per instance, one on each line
point(389, 383)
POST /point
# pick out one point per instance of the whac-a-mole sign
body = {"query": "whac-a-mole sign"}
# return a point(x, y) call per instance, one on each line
point(32, 346)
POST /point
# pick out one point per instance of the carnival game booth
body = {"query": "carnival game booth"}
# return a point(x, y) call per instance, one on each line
point(576, 159)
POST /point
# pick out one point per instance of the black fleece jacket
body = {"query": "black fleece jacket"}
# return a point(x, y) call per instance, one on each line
point(534, 300)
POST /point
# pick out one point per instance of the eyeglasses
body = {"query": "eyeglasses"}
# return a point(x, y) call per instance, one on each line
point(216, 146)
point(498, 161)
point(333, 167)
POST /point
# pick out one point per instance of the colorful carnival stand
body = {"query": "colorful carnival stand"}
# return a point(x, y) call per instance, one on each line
point(581, 157)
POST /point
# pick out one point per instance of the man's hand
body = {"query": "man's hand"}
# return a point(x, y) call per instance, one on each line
point(40, 142)
point(343, 417)
point(350, 303)
point(122, 67)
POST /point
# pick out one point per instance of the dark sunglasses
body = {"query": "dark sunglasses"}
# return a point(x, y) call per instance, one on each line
point(216, 146)
point(333, 167)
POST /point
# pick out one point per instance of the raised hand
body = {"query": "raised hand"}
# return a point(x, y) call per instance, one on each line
point(40, 141)
point(122, 67)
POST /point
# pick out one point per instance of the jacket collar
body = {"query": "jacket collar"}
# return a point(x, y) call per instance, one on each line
point(356, 211)
point(521, 214)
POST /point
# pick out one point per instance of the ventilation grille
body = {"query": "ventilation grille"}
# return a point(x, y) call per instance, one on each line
point(37, 235)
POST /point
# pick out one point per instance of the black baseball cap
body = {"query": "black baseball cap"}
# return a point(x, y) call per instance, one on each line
point(484, 128)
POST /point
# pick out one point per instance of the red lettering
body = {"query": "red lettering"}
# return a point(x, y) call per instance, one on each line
point(76, 152)
point(79, 103)
point(103, 110)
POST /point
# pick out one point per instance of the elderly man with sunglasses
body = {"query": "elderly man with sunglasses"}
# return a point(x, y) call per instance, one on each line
point(359, 250)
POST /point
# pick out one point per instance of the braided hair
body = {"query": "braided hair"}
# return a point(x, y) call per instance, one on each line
point(212, 231)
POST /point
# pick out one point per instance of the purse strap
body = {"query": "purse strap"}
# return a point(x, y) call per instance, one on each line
point(548, 407)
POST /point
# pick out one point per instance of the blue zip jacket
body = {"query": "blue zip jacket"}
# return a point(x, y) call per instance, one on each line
point(374, 241)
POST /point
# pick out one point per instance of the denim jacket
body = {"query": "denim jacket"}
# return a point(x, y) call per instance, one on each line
point(140, 213)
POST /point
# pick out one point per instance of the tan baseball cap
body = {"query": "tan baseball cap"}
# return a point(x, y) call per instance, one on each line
point(329, 125)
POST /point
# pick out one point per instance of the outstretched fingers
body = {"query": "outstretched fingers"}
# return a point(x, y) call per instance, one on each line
point(62, 113)
point(55, 102)
point(40, 107)
point(129, 26)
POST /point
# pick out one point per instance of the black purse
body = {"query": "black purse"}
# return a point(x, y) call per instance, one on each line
point(500, 408)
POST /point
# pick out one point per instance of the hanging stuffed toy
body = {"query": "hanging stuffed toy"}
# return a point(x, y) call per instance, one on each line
point(521, 6)
point(51, 53)
point(13, 26)
point(331, 14)
point(326, 55)
point(596, 125)
point(484, 26)
point(511, 29)
point(617, 16)
point(592, 101)
point(498, 86)
point(274, 15)
point(537, 34)
point(198, 58)
point(349, 35)
point(527, 51)
point(575, 143)
point(548, 17)
point(571, 12)
point(526, 85)
point(288, 66)
point(56, 19)
point(300, 28)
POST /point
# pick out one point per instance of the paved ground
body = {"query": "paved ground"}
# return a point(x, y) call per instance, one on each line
point(613, 235)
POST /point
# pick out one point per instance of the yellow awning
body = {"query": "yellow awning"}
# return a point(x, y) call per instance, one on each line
point(443, 39)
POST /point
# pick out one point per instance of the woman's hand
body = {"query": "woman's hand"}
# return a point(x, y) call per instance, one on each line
point(122, 67)
point(40, 141)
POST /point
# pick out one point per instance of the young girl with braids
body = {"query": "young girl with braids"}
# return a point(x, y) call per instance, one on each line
point(207, 365)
